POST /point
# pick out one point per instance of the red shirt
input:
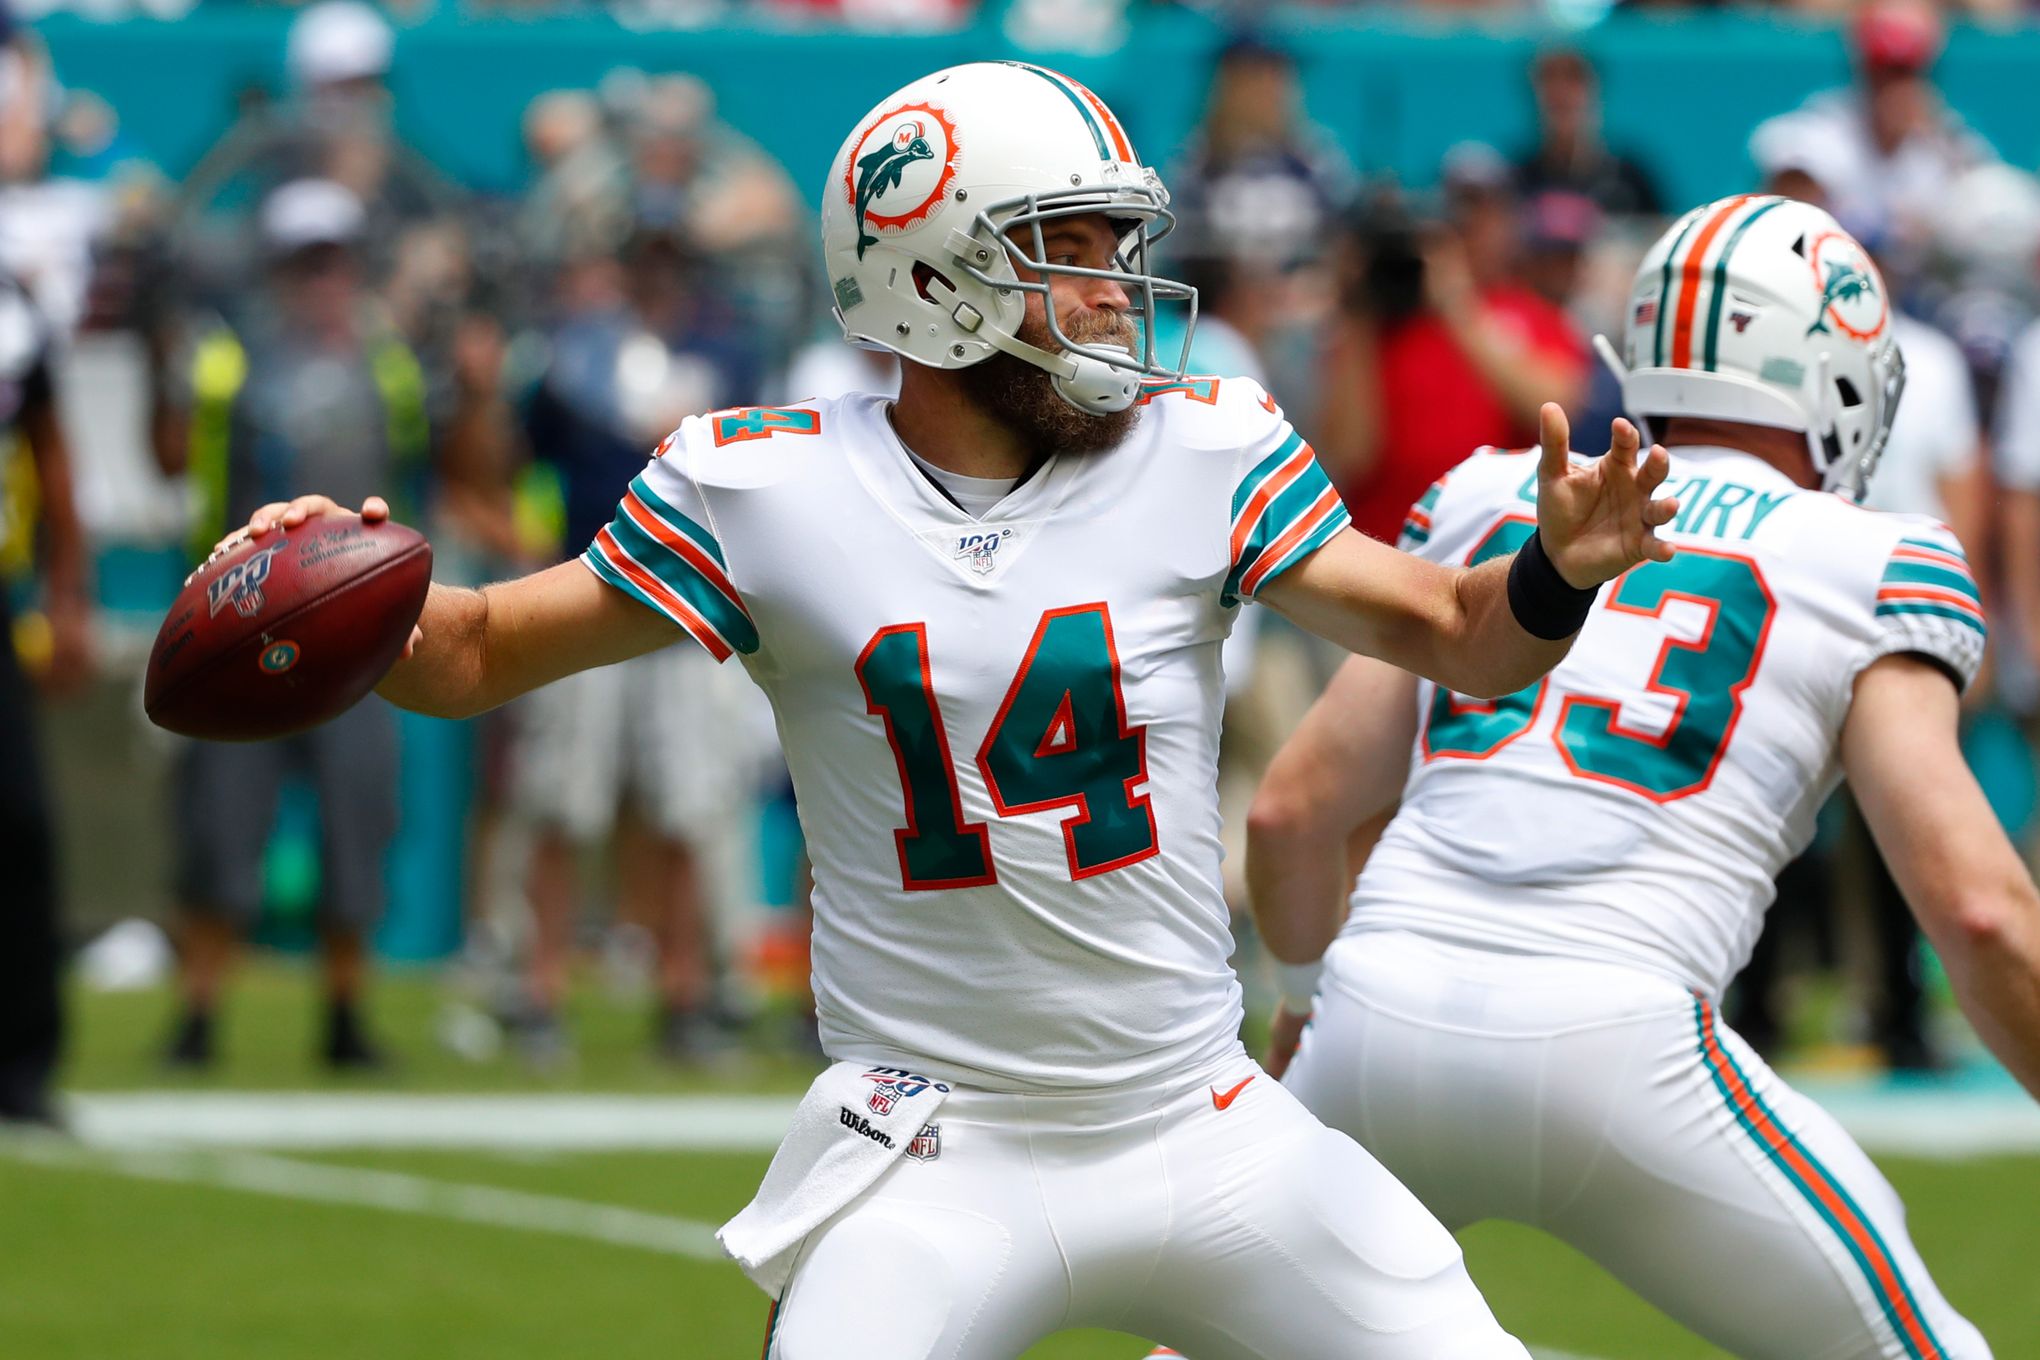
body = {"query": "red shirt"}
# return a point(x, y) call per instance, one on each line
point(1435, 410)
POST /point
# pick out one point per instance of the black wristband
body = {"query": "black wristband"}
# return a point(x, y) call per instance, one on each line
point(1545, 603)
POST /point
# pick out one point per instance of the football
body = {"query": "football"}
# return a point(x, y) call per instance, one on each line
point(287, 631)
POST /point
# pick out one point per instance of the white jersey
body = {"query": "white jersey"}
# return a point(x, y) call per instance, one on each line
point(1003, 732)
point(1636, 804)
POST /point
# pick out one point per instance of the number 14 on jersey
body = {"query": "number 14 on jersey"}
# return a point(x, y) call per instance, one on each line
point(1060, 741)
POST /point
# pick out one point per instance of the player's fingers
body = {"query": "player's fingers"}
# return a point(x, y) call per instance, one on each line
point(374, 510)
point(1554, 438)
point(1657, 550)
point(308, 507)
point(264, 519)
point(1623, 441)
point(1661, 511)
point(1650, 474)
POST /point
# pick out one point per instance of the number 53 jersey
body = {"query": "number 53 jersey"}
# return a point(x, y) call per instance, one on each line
point(1636, 804)
point(1002, 731)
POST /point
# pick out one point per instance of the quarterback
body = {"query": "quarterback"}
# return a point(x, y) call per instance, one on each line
point(988, 615)
point(1520, 1017)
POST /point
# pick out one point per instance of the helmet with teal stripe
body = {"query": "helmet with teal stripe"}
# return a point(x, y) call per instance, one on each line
point(937, 201)
point(1762, 310)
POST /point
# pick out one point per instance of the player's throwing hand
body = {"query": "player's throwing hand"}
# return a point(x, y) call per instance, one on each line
point(1597, 520)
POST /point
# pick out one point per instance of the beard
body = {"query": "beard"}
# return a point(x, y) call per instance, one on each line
point(1023, 398)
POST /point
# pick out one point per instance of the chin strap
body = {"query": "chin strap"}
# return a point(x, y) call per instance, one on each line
point(1091, 385)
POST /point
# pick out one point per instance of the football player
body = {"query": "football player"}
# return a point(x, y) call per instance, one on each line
point(1521, 1015)
point(988, 615)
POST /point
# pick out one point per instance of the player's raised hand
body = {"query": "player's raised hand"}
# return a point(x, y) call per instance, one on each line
point(1598, 519)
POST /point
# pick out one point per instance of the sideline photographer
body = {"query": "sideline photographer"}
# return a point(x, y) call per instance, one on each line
point(1438, 346)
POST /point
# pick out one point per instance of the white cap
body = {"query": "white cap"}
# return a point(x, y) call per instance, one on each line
point(310, 212)
point(338, 40)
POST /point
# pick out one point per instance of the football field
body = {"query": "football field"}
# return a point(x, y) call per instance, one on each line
point(458, 1208)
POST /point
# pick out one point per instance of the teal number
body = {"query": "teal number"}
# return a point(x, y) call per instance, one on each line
point(1061, 740)
point(1706, 676)
point(937, 848)
point(1475, 732)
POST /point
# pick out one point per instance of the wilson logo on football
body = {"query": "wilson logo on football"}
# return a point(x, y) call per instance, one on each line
point(241, 586)
point(900, 170)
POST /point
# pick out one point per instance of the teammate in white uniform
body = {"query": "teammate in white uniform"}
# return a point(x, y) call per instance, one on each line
point(1520, 1015)
point(988, 616)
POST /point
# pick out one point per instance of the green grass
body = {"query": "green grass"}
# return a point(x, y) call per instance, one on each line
point(150, 1271)
point(96, 1263)
point(269, 1033)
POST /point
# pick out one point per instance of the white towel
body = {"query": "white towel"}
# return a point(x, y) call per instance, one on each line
point(851, 1125)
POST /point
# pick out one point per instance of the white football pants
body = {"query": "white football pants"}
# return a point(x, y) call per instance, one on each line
point(1611, 1108)
point(1240, 1227)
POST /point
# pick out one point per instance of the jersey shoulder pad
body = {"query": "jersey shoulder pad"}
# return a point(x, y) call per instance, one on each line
point(748, 446)
point(1208, 412)
point(1489, 486)
point(1926, 598)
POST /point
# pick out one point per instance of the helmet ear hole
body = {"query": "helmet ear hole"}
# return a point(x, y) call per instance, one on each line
point(924, 274)
point(1850, 396)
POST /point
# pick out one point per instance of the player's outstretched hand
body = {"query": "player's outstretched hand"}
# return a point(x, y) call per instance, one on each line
point(289, 515)
point(1598, 519)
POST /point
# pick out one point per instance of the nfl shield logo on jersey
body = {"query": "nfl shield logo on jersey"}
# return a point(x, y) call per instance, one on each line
point(927, 1144)
point(980, 551)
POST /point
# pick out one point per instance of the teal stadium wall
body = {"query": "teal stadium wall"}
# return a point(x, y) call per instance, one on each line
point(1682, 93)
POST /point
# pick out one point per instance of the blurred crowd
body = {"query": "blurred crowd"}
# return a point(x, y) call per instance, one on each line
point(316, 306)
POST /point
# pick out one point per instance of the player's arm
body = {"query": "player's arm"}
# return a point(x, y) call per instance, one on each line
point(1964, 881)
point(475, 649)
point(1343, 766)
point(1466, 627)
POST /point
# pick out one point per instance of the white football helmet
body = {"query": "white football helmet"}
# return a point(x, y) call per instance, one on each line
point(928, 194)
point(1763, 310)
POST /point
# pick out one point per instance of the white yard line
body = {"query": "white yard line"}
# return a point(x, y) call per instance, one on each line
point(302, 1121)
point(1926, 1122)
point(395, 1192)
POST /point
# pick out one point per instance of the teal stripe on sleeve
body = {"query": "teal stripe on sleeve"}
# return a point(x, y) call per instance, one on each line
point(1949, 545)
point(1262, 471)
point(1312, 541)
point(1281, 514)
point(701, 537)
point(1902, 572)
point(1937, 610)
point(686, 581)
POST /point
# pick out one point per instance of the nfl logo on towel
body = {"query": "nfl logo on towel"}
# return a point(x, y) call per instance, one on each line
point(927, 1144)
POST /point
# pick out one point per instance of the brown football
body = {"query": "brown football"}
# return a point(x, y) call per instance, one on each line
point(287, 631)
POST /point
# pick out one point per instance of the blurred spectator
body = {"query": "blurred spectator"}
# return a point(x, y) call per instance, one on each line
point(1569, 154)
point(31, 1018)
point(1258, 182)
point(579, 203)
point(1559, 227)
point(338, 126)
point(702, 180)
point(1893, 144)
point(2018, 476)
point(309, 390)
point(640, 345)
point(1439, 348)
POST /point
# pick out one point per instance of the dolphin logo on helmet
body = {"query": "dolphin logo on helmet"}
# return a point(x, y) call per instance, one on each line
point(884, 168)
